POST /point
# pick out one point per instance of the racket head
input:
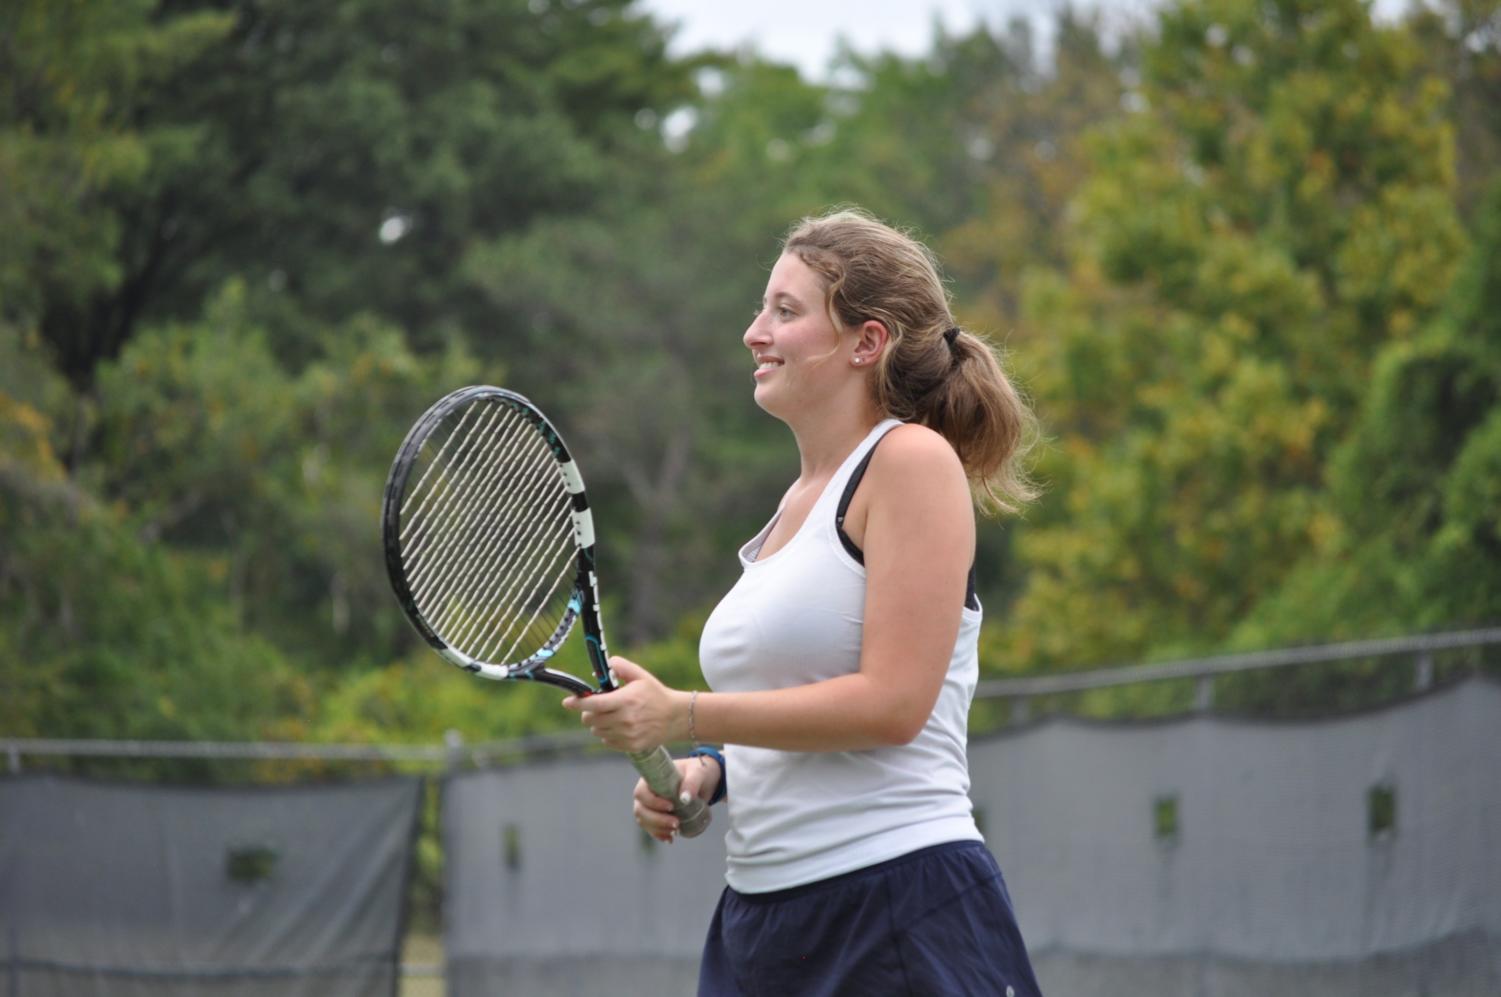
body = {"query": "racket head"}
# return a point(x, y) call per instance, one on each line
point(489, 546)
point(488, 537)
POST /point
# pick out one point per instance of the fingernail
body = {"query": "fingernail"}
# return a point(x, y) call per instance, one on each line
point(684, 798)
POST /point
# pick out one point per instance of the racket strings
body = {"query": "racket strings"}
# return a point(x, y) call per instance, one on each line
point(539, 585)
point(465, 494)
point(417, 491)
point(453, 486)
point(498, 582)
point(433, 495)
point(487, 536)
point(475, 577)
point(457, 543)
point(528, 562)
point(544, 603)
point(469, 540)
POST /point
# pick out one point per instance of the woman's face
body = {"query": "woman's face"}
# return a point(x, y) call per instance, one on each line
point(793, 341)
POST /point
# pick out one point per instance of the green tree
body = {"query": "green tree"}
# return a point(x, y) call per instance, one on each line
point(1461, 42)
point(234, 275)
point(105, 634)
point(1417, 485)
point(979, 145)
point(1276, 212)
point(338, 159)
point(210, 446)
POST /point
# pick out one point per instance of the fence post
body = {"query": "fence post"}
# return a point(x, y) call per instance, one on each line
point(454, 742)
point(1422, 674)
point(1204, 694)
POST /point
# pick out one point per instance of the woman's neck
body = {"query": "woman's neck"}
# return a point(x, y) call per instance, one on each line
point(825, 439)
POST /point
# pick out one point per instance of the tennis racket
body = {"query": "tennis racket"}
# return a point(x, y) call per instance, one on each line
point(490, 548)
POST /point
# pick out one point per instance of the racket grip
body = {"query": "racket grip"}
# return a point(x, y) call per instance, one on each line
point(657, 768)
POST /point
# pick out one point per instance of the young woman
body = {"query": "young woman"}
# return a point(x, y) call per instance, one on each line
point(844, 660)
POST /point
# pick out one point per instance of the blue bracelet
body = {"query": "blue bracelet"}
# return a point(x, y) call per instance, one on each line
point(704, 751)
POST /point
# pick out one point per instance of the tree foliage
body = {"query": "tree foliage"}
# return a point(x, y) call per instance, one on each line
point(1242, 261)
point(1276, 212)
point(1415, 489)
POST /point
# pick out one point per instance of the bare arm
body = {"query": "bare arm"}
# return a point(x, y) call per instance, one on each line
point(918, 543)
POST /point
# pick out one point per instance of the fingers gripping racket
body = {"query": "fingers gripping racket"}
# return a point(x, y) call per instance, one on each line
point(490, 548)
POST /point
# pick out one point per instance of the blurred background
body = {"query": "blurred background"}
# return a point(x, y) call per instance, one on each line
point(1244, 256)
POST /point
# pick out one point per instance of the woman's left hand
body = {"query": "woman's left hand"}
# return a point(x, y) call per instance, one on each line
point(638, 715)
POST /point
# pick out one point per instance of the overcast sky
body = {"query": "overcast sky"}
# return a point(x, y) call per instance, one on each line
point(805, 32)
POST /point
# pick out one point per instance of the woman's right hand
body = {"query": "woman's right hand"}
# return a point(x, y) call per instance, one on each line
point(700, 776)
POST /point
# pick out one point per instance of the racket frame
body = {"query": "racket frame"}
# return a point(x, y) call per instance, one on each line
point(655, 765)
point(583, 607)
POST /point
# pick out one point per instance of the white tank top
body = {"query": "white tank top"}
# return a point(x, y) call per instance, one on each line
point(795, 617)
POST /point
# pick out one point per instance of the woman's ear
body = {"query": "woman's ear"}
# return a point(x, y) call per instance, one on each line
point(870, 344)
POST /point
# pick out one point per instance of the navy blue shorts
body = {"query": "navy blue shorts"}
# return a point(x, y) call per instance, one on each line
point(934, 922)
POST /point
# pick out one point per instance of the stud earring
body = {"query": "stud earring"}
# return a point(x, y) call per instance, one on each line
point(857, 360)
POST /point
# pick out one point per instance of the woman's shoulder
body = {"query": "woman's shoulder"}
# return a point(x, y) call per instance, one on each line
point(910, 446)
point(916, 457)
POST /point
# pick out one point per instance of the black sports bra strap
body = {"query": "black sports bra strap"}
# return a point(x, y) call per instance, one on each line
point(849, 494)
point(971, 599)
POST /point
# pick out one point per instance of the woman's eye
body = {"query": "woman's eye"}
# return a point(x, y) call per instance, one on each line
point(782, 312)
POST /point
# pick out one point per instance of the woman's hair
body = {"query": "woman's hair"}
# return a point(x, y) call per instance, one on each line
point(931, 372)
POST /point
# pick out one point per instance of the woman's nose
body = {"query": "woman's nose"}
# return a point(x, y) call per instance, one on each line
point(755, 333)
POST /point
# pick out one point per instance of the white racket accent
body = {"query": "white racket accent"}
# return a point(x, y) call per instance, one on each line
point(583, 528)
point(460, 658)
point(572, 476)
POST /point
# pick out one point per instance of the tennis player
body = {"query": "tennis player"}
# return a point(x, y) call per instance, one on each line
point(843, 661)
